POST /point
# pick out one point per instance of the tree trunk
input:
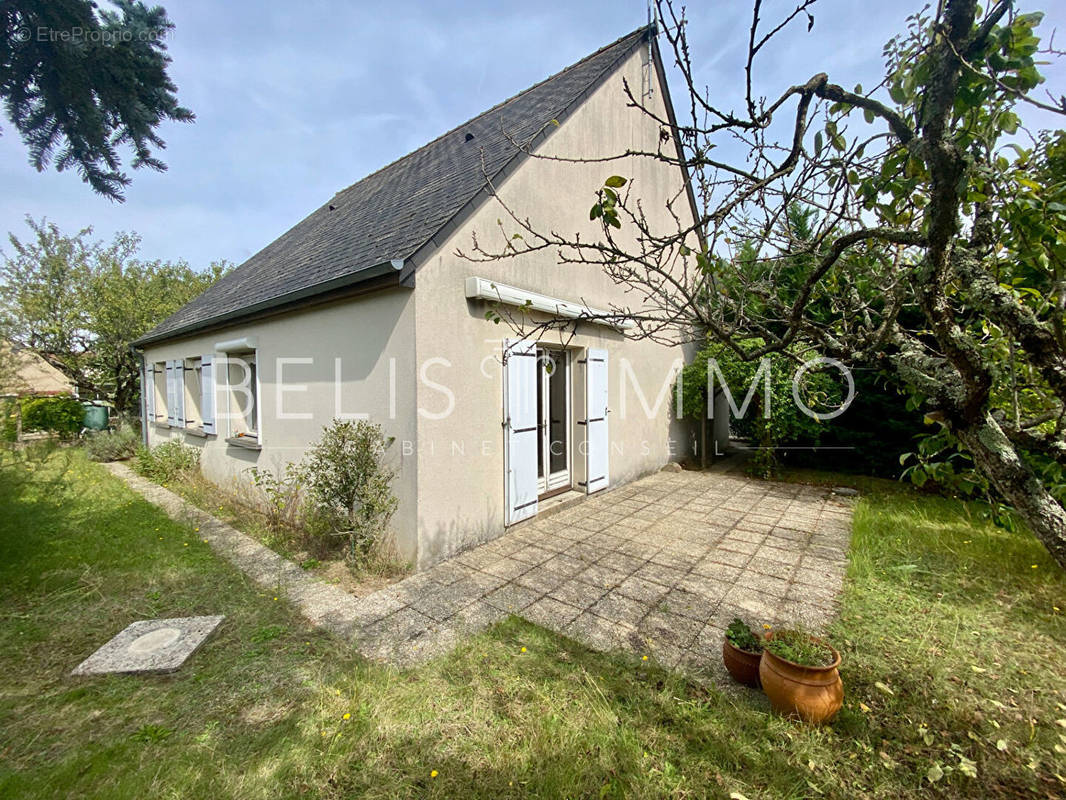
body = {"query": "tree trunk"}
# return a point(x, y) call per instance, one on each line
point(995, 456)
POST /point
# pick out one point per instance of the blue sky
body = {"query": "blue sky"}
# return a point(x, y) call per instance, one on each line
point(295, 101)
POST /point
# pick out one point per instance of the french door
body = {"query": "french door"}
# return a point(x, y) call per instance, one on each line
point(553, 421)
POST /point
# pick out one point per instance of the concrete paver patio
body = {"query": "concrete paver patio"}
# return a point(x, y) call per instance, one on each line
point(658, 567)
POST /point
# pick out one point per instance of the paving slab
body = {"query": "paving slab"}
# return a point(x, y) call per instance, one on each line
point(150, 646)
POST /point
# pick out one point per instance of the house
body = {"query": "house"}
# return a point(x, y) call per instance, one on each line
point(24, 373)
point(365, 309)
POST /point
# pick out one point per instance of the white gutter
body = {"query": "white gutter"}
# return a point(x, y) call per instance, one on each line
point(485, 289)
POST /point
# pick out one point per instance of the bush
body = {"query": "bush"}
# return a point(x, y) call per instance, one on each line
point(116, 445)
point(349, 486)
point(165, 462)
point(59, 415)
point(787, 424)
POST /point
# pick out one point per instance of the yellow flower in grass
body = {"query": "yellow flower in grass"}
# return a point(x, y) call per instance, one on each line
point(643, 658)
point(523, 649)
point(766, 627)
point(347, 716)
point(433, 773)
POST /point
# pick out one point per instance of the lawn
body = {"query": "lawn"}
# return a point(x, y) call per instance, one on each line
point(951, 632)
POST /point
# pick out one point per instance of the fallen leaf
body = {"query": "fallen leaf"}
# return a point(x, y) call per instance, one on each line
point(885, 688)
point(865, 708)
point(934, 773)
point(967, 767)
point(1001, 744)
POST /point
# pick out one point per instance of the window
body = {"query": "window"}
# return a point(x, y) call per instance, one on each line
point(243, 385)
point(238, 376)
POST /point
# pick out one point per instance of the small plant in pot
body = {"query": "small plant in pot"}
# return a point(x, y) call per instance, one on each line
point(741, 651)
point(800, 677)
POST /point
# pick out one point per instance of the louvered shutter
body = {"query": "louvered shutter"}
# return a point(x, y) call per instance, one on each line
point(520, 408)
point(172, 404)
point(597, 448)
point(207, 393)
point(179, 393)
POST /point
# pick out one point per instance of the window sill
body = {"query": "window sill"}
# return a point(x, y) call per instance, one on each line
point(246, 442)
point(165, 426)
point(198, 432)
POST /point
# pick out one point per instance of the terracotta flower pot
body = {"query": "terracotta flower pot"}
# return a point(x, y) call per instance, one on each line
point(742, 665)
point(813, 694)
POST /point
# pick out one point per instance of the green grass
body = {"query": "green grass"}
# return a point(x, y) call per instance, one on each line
point(950, 639)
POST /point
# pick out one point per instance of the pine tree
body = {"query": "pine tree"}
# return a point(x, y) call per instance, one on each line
point(78, 83)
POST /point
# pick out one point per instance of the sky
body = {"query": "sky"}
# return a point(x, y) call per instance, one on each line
point(296, 101)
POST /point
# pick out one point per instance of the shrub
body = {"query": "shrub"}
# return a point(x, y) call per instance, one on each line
point(116, 445)
point(60, 415)
point(165, 462)
point(349, 485)
point(787, 424)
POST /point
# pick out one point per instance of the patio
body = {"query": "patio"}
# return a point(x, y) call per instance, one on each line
point(658, 567)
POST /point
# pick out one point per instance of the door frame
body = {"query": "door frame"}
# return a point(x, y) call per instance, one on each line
point(564, 480)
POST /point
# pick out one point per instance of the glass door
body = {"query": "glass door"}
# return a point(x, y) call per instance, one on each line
point(553, 416)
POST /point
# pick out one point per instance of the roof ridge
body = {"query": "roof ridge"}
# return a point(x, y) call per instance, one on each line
point(632, 34)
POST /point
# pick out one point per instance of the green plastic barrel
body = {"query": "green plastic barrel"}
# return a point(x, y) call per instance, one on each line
point(95, 418)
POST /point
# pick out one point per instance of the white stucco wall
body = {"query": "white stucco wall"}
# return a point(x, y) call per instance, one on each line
point(461, 456)
point(372, 335)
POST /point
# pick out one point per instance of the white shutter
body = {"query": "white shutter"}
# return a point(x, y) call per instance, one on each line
point(207, 393)
point(172, 403)
point(179, 392)
point(597, 447)
point(520, 409)
point(148, 393)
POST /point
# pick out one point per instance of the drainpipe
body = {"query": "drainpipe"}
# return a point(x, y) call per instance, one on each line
point(143, 406)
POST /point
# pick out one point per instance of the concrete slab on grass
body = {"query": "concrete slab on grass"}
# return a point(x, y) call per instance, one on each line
point(151, 646)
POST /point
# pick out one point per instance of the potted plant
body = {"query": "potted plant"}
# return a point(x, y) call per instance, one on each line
point(799, 674)
point(741, 651)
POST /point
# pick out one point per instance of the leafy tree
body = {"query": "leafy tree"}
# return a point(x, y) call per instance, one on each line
point(78, 83)
point(938, 254)
point(80, 302)
point(770, 377)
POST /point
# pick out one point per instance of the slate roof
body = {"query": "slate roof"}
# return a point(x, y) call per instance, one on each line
point(393, 212)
